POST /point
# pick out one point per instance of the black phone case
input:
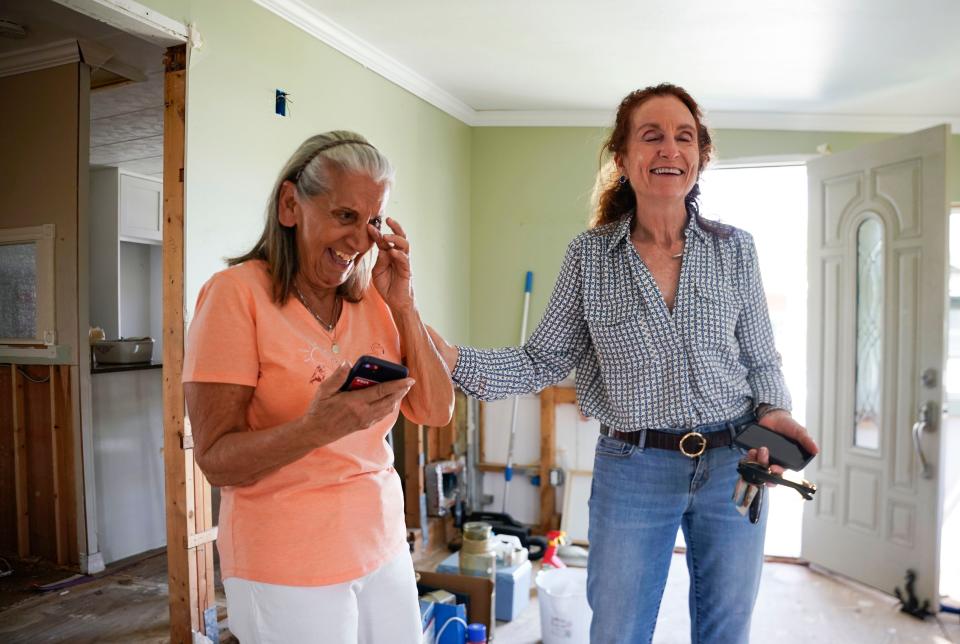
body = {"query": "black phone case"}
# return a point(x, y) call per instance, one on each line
point(777, 457)
point(368, 371)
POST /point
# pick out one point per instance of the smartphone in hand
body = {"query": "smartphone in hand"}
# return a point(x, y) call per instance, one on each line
point(368, 371)
point(784, 451)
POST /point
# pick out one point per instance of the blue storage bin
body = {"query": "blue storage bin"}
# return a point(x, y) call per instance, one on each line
point(512, 586)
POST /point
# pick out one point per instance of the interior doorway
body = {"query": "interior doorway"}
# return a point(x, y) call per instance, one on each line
point(770, 202)
point(950, 529)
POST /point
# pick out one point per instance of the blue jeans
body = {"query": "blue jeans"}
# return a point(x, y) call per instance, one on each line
point(639, 498)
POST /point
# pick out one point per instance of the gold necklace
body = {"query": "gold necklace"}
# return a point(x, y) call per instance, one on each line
point(329, 326)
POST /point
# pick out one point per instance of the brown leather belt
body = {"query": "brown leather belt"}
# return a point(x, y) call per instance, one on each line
point(691, 444)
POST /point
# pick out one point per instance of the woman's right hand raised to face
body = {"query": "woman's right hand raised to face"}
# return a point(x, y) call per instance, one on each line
point(334, 414)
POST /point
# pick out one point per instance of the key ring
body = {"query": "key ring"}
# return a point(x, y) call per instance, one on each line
point(756, 474)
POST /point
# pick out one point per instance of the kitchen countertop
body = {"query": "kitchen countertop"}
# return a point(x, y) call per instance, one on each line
point(138, 366)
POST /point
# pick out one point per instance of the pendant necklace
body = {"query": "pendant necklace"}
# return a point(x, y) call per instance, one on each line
point(329, 327)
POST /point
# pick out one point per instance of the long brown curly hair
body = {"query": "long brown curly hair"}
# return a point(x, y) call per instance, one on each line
point(614, 199)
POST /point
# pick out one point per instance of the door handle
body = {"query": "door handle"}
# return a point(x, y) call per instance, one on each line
point(923, 422)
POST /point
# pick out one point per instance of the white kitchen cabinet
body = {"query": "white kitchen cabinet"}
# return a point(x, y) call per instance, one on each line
point(141, 208)
point(131, 204)
point(126, 216)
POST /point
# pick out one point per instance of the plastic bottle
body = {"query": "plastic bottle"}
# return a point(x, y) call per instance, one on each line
point(478, 557)
point(555, 538)
point(476, 634)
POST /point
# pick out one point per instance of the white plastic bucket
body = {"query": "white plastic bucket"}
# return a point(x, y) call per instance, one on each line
point(564, 612)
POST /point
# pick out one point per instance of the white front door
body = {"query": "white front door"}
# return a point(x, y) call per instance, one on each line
point(877, 269)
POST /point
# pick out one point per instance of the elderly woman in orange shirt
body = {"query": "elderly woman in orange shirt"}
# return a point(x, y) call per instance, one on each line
point(312, 539)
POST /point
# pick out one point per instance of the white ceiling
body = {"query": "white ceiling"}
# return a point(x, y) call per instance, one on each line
point(126, 126)
point(835, 64)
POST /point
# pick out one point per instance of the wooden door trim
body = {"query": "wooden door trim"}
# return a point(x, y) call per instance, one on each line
point(188, 508)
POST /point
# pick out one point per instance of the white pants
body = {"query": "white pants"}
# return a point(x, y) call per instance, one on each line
point(378, 608)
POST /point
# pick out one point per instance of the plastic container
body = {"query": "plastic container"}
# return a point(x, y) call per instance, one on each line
point(512, 587)
point(564, 612)
point(478, 557)
point(123, 351)
point(476, 634)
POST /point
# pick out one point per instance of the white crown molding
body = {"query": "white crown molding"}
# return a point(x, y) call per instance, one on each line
point(61, 52)
point(543, 118)
point(316, 24)
point(309, 19)
point(133, 18)
point(723, 120)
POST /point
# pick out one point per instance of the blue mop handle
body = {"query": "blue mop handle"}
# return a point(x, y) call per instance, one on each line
point(508, 470)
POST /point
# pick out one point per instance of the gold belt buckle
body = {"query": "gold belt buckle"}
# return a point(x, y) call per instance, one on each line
point(698, 451)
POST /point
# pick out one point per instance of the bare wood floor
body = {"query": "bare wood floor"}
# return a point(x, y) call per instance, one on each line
point(128, 603)
point(796, 605)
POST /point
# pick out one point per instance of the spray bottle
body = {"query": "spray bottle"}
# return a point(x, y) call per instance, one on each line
point(555, 539)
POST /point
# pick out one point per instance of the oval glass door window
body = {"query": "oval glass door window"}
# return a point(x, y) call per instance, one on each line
point(869, 360)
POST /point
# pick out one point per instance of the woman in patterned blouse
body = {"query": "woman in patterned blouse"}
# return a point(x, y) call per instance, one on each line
point(663, 315)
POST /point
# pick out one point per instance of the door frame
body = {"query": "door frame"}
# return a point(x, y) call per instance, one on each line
point(190, 534)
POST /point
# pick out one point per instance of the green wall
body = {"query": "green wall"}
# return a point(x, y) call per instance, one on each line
point(236, 146)
point(530, 194)
point(482, 205)
point(531, 191)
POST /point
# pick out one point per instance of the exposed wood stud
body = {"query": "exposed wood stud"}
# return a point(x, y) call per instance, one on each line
point(21, 481)
point(201, 538)
point(498, 468)
point(189, 570)
point(564, 395)
point(59, 537)
point(548, 425)
point(413, 472)
point(65, 429)
point(481, 457)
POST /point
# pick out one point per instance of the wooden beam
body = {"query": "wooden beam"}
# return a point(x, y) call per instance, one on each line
point(58, 524)
point(413, 473)
point(481, 456)
point(564, 395)
point(447, 438)
point(204, 534)
point(21, 481)
point(190, 585)
point(432, 450)
point(68, 471)
point(202, 538)
point(500, 467)
point(548, 450)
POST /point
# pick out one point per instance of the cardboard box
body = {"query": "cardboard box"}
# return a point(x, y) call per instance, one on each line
point(477, 591)
point(513, 586)
point(455, 632)
point(428, 622)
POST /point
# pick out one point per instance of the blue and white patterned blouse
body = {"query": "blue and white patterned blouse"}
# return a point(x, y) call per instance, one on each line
point(639, 366)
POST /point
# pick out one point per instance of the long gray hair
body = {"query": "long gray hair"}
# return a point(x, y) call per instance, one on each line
point(309, 169)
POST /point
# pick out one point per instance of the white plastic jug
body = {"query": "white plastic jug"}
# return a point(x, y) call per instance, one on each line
point(564, 612)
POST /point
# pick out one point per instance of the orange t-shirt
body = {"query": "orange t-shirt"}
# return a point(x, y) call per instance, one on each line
point(337, 513)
